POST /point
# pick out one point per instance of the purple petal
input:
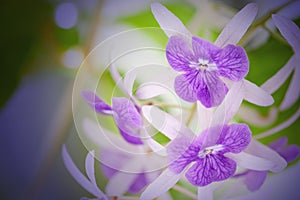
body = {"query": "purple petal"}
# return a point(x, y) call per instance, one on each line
point(128, 119)
point(279, 143)
point(290, 152)
point(184, 89)
point(237, 26)
point(232, 62)
point(235, 137)
point(96, 103)
point(214, 167)
point(211, 90)
point(255, 179)
point(131, 137)
point(181, 153)
point(179, 54)
point(138, 184)
point(203, 49)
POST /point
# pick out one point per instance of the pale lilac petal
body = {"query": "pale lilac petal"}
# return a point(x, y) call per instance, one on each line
point(212, 89)
point(165, 196)
point(232, 62)
point(165, 123)
point(230, 105)
point(265, 152)
point(273, 83)
point(149, 90)
point(254, 117)
point(179, 54)
point(79, 177)
point(120, 183)
point(205, 116)
point(96, 103)
point(293, 93)
point(117, 78)
point(128, 81)
point(184, 89)
point(168, 21)
point(162, 184)
point(280, 127)
point(289, 30)
point(181, 153)
point(235, 137)
point(104, 138)
point(256, 95)
point(205, 193)
point(90, 168)
point(255, 179)
point(236, 28)
point(249, 161)
point(128, 119)
point(214, 167)
point(153, 144)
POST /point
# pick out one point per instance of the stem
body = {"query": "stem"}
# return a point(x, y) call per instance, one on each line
point(170, 105)
point(262, 21)
point(276, 35)
point(193, 111)
point(185, 191)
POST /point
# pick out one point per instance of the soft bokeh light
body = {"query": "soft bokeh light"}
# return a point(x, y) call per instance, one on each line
point(66, 15)
point(72, 58)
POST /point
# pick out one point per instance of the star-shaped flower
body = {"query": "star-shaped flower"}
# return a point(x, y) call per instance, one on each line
point(203, 62)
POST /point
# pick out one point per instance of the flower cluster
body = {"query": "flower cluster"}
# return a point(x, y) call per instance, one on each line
point(210, 79)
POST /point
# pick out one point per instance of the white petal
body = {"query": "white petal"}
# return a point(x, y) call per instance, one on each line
point(162, 184)
point(154, 145)
point(293, 93)
point(117, 78)
point(289, 30)
point(273, 83)
point(263, 151)
point(122, 180)
point(280, 127)
point(165, 196)
point(256, 95)
point(230, 105)
point(249, 161)
point(89, 167)
point(205, 193)
point(129, 79)
point(253, 117)
point(79, 177)
point(168, 21)
point(205, 116)
point(149, 90)
point(164, 122)
point(104, 138)
point(236, 28)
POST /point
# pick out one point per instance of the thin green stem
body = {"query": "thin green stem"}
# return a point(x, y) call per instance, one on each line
point(193, 111)
point(185, 191)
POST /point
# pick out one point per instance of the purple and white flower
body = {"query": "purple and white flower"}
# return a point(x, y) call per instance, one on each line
point(202, 62)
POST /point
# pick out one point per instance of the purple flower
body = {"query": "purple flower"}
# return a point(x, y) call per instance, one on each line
point(255, 179)
point(202, 67)
point(124, 112)
point(209, 162)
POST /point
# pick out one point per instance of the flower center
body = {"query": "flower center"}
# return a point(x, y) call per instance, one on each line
point(210, 150)
point(202, 64)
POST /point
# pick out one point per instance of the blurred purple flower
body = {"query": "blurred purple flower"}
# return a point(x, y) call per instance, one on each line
point(124, 112)
point(255, 179)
